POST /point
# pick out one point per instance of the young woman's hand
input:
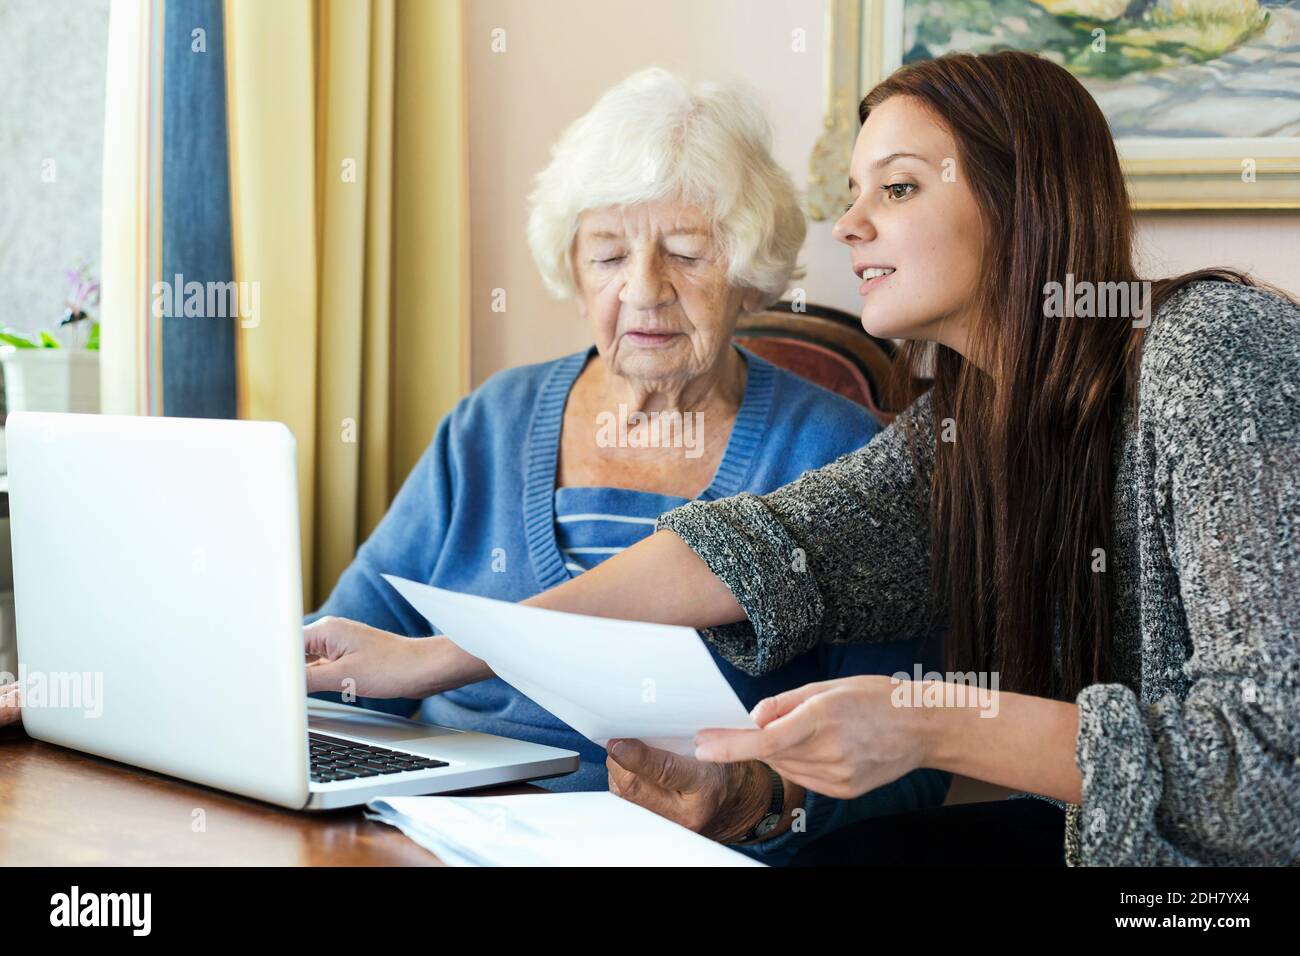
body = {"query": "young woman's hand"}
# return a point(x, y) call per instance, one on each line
point(354, 658)
point(719, 801)
point(11, 711)
point(840, 738)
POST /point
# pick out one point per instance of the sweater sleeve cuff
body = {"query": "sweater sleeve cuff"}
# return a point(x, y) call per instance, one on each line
point(1122, 778)
point(749, 550)
point(815, 820)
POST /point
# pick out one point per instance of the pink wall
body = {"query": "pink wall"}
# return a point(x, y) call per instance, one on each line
point(561, 54)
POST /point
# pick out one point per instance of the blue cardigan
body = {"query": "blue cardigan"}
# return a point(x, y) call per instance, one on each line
point(476, 515)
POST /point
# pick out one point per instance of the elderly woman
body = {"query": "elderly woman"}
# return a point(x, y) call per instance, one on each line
point(664, 216)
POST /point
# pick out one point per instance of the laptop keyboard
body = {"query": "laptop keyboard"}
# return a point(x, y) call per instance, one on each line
point(333, 758)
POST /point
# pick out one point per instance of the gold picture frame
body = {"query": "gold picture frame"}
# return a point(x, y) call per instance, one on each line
point(864, 40)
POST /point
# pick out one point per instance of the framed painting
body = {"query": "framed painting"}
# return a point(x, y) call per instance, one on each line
point(1202, 96)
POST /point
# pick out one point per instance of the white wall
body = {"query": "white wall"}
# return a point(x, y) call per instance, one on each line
point(52, 60)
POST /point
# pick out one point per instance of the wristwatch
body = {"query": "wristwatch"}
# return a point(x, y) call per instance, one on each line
point(775, 808)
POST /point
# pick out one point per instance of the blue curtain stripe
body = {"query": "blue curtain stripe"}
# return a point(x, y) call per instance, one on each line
point(198, 351)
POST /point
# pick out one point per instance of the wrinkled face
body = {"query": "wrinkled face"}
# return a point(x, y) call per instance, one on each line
point(913, 229)
point(652, 280)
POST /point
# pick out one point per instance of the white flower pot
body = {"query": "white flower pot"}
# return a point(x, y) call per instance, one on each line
point(50, 380)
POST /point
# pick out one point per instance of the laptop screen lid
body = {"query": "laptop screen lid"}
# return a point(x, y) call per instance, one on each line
point(158, 595)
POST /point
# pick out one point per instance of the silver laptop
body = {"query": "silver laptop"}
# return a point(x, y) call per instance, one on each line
point(158, 599)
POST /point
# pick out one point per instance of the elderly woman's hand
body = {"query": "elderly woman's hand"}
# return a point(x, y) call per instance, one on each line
point(350, 657)
point(719, 801)
point(840, 738)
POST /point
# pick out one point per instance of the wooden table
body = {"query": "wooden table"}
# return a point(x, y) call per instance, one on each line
point(59, 807)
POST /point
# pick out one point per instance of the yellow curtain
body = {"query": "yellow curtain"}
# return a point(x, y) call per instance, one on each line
point(350, 210)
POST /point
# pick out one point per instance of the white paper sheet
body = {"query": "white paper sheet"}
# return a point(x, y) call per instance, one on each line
point(550, 829)
point(602, 677)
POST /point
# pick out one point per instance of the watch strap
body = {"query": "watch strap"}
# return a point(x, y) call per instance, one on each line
point(775, 809)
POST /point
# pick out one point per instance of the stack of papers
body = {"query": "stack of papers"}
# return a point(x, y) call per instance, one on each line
point(551, 829)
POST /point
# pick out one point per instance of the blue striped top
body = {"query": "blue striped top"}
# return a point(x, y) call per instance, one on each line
point(593, 523)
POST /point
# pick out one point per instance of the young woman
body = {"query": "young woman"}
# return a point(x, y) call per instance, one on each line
point(1098, 503)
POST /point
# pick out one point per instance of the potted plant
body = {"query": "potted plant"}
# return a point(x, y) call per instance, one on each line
point(42, 373)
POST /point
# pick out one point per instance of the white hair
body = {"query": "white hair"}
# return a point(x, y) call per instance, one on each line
point(655, 137)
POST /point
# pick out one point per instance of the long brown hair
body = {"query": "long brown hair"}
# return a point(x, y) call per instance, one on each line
point(1020, 498)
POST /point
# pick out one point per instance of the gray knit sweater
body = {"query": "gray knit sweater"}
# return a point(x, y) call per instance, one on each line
point(1193, 757)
